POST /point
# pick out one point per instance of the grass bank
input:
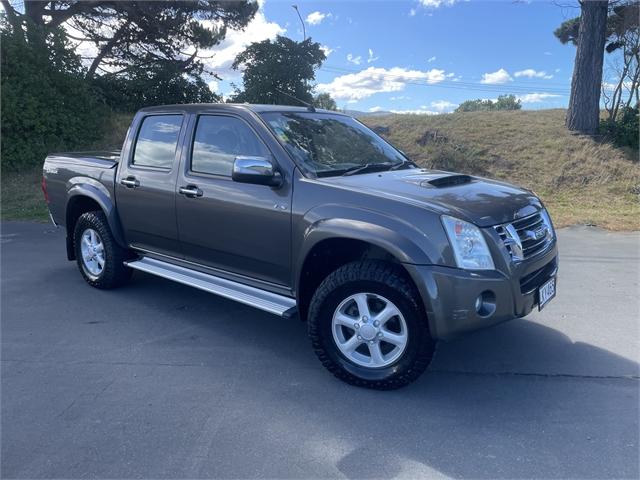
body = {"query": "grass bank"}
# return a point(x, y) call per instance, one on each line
point(21, 195)
point(580, 180)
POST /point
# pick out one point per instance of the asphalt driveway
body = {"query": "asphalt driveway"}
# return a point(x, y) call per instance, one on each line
point(158, 380)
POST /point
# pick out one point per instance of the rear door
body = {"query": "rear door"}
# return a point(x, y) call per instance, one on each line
point(145, 187)
point(236, 227)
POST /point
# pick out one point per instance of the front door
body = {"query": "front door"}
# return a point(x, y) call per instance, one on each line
point(240, 228)
point(145, 187)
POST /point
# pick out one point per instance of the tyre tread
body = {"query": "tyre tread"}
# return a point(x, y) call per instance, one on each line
point(391, 276)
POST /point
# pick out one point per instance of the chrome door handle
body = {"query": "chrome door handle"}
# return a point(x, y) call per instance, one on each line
point(130, 182)
point(190, 191)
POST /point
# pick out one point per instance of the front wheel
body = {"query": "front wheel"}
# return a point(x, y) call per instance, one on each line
point(368, 327)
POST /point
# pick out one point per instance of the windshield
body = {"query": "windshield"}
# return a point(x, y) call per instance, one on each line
point(328, 144)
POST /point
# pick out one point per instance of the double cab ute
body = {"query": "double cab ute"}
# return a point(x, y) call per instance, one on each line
point(307, 213)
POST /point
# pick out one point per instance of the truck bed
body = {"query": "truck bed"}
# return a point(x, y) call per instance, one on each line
point(63, 171)
point(101, 158)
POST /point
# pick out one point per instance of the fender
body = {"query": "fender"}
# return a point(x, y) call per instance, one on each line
point(90, 188)
point(394, 235)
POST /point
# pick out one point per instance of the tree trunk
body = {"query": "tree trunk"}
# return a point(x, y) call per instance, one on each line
point(583, 114)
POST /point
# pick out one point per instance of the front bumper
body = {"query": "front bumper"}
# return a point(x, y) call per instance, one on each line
point(449, 294)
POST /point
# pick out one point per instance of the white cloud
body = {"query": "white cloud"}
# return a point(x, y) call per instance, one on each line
point(376, 109)
point(548, 54)
point(531, 73)
point(400, 97)
point(536, 97)
point(436, 3)
point(431, 59)
point(612, 86)
point(316, 18)
point(327, 50)
point(223, 54)
point(214, 86)
point(497, 77)
point(443, 106)
point(371, 57)
point(355, 60)
point(356, 86)
point(412, 12)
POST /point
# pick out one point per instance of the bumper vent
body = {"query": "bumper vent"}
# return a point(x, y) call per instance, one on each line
point(526, 237)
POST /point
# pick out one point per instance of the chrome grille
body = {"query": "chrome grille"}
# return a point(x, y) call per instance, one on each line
point(526, 237)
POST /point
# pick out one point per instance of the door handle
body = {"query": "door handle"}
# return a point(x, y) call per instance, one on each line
point(130, 182)
point(190, 191)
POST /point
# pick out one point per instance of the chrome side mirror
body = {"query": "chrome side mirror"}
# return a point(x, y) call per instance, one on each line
point(256, 170)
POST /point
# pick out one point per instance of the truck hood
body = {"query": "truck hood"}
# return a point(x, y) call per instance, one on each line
point(478, 200)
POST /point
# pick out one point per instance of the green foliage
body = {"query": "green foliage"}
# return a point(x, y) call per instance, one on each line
point(324, 100)
point(156, 86)
point(46, 103)
point(568, 31)
point(504, 102)
point(623, 131)
point(623, 18)
point(283, 64)
point(135, 35)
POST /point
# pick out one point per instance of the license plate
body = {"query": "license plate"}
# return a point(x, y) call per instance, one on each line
point(546, 292)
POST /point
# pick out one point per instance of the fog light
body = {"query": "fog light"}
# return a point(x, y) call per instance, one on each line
point(486, 304)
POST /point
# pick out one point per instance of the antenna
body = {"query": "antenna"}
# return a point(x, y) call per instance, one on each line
point(309, 106)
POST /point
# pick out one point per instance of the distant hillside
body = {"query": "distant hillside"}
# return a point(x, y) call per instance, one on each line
point(581, 180)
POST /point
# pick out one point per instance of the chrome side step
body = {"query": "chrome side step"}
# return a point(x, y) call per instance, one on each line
point(254, 297)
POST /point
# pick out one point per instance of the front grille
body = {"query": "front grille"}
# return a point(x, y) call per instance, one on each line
point(526, 237)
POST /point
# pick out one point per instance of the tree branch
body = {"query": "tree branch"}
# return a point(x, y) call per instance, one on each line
point(106, 49)
point(58, 17)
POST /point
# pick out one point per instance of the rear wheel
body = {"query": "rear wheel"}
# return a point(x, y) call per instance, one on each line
point(368, 327)
point(100, 259)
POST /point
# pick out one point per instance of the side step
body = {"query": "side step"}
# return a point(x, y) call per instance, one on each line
point(254, 297)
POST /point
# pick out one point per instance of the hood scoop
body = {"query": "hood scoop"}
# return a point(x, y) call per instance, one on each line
point(447, 181)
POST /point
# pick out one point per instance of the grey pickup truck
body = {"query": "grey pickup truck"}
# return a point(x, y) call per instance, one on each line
point(307, 213)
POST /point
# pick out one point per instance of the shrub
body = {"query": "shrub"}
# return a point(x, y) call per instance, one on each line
point(623, 131)
point(504, 102)
point(46, 103)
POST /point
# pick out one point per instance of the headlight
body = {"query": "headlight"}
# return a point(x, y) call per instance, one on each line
point(469, 246)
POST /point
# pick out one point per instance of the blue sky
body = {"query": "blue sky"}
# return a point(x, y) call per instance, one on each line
point(423, 55)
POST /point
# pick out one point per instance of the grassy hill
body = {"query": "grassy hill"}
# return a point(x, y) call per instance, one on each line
point(580, 180)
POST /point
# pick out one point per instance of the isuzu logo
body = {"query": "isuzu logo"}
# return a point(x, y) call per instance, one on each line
point(536, 234)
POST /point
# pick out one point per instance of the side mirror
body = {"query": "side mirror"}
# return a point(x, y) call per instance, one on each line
point(256, 170)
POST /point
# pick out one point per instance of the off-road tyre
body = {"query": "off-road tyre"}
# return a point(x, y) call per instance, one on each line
point(114, 273)
point(391, 282)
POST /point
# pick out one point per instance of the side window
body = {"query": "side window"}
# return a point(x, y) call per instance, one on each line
point(157, 141)
point(219, 140)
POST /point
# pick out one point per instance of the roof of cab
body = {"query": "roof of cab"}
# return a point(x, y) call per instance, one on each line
point(198, 107)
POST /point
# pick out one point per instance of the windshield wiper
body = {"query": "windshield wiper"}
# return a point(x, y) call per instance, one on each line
point(367, 167)
point(403, 164)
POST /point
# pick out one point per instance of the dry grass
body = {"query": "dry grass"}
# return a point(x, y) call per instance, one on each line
point(22, 197)
point(580, 180)
point(21, 193)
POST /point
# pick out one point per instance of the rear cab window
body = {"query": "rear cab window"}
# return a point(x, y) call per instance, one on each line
point(157, 141)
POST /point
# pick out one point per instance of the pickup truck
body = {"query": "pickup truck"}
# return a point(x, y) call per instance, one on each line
point(307, 213)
